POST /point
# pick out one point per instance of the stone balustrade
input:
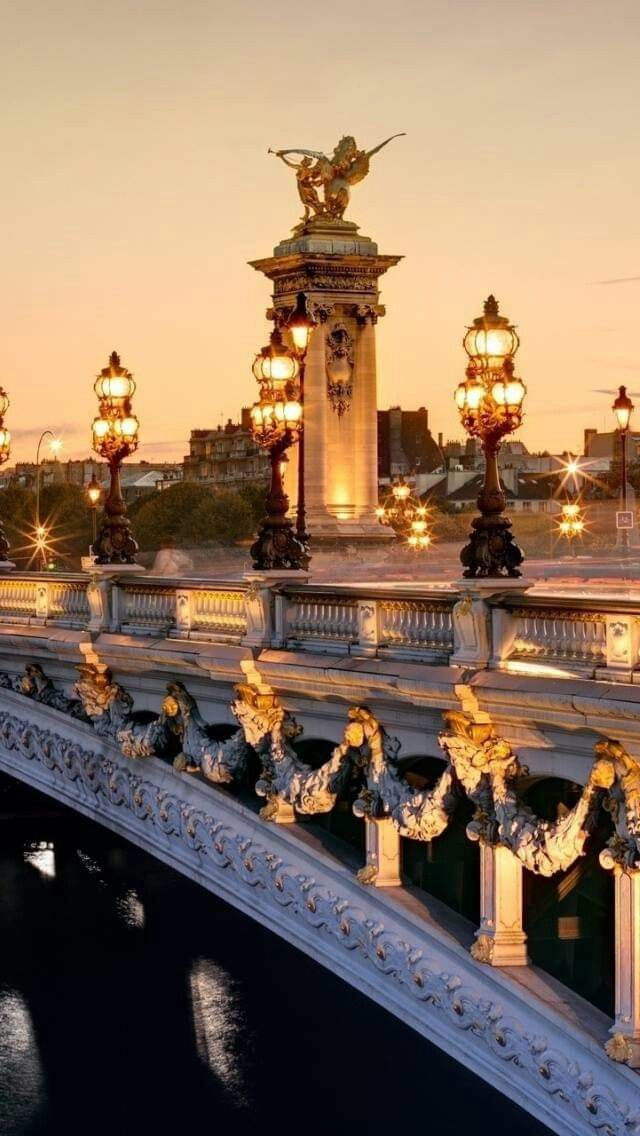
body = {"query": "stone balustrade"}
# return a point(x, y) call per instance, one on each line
point(589, 636)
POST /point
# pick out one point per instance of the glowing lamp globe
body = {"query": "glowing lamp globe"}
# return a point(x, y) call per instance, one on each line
point(101, 427)
point(491, 338)
point(114, 381)
point(623, 408)
point(301, 324)
point(276, 363)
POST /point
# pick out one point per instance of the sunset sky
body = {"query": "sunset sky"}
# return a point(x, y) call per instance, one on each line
point(136, 185)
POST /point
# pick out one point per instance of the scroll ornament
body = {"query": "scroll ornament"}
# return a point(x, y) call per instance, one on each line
point(271, 731)
point(488, 769)
point(420, 814)
point(218, 761)
point(109, 708)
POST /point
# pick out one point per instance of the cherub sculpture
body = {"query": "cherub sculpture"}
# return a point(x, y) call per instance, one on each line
point(336, 174)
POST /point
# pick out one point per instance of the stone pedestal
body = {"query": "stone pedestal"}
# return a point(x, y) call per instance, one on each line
point(382, 843)
point(473, 639)
point(500, 940)
point(338, 270)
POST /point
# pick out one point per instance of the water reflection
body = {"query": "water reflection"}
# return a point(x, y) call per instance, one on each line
point(217, 1024)
point(135, 1002)
point(21, 1078)
point(42, 856)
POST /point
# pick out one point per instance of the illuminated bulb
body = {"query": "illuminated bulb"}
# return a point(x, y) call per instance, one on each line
point(101, 427)
point(55, 445)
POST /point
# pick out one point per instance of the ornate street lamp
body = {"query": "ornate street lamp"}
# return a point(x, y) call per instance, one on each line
point(5, 450)
point(115, 436)
point(276, 422)
point(490, 405)
point(623, 408)
point(301, 325)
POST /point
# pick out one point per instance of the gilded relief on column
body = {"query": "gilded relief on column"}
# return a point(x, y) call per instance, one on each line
point(339, 363)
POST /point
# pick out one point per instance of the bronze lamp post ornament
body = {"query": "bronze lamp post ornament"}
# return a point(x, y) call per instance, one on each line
point(276, 423)
point(490, 405)
point(115, 436)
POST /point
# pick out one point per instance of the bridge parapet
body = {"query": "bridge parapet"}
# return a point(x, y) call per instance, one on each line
point(538, 632)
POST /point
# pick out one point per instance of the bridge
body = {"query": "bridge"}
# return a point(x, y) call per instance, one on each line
point(432, 790)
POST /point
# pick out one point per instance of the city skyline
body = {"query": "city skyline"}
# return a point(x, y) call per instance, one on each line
point(134, 207)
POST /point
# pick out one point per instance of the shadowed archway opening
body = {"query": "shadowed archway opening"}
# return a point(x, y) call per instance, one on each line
point(569, 917)
point(449, 866)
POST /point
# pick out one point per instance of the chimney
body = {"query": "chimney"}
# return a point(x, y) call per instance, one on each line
point(440, 437)
point(589, 436)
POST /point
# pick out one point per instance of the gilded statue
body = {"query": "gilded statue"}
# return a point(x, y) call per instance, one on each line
point(335, 174)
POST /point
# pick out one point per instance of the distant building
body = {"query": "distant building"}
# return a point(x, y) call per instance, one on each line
point(226, 457)
point(136, 477)
point(606, 445)
point(405, 443)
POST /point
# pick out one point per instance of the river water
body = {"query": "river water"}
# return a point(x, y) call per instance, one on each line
point(132, 1001)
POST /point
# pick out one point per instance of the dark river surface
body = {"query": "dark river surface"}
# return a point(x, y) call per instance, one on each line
point(132, 1001)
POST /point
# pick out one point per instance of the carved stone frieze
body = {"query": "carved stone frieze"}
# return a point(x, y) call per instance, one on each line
point(339, 357)
point(343, 281)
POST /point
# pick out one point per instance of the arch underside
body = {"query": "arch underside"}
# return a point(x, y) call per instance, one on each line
point(403, 953)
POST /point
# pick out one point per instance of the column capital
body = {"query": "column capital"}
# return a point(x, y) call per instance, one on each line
point(368, 313)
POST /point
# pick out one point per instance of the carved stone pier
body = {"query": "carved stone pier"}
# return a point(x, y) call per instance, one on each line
point(338, 270)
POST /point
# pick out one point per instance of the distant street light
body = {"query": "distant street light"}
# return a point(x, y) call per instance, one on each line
point(301, 325)
point(5, 450)
point(115, 436)
point(622, 409)
point(490, 405)
point(93, 493)
point(41, 531)
point(276, 423)
point(406, 515)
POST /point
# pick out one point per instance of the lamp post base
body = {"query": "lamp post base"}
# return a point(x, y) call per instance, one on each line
point(491, 550)
point(114, 543)
point(278, 547)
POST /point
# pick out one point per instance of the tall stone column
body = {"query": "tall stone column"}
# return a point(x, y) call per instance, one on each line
point(624, 1045)
point(315, 430)
point(338, 270)
point(365, 409)
point(500, 939)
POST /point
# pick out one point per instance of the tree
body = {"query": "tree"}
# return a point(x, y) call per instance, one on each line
point(191, 515)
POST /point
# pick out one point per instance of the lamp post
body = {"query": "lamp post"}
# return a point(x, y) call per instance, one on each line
point(276, 422)
point(490, 405)
point(93, 493)
point(5, 450)
point(301, 325)
point(622, 409)
point(41, 531)
point(115, 436)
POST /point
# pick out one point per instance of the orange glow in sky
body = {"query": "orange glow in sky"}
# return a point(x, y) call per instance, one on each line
point(137, 185)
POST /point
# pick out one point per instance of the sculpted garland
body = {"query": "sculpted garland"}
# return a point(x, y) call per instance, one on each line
point(479, 764)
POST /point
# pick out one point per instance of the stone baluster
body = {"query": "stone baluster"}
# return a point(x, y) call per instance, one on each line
point(500, 939)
